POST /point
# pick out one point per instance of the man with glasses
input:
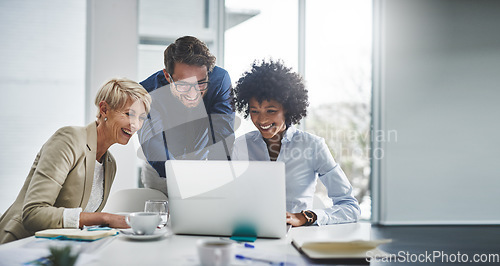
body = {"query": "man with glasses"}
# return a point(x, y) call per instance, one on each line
point(191, 116)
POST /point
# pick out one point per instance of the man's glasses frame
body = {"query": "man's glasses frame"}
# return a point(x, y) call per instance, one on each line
point(186, 87)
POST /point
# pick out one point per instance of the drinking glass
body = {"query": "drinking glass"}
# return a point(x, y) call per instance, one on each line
point(160, 207)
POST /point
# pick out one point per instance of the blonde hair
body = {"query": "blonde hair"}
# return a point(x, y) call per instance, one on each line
point(116, 92)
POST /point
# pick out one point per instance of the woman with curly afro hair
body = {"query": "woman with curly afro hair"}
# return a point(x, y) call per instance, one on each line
point(275, 98)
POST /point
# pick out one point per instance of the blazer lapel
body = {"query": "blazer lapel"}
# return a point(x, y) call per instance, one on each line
point(90, 154)
point(109, 174)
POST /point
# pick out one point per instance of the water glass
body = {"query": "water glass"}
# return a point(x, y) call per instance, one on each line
point(160, 207)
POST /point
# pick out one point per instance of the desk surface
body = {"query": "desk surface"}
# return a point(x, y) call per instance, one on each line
point(170, 249)
point(181, 250)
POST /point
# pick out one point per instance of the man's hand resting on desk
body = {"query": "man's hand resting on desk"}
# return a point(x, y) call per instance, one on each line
point(295, 219)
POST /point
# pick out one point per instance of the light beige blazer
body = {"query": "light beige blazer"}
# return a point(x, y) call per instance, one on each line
point(61, 177)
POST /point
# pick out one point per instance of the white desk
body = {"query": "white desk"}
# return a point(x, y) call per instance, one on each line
point(169, 250)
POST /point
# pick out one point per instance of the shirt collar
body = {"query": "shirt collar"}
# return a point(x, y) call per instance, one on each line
point(290, 131)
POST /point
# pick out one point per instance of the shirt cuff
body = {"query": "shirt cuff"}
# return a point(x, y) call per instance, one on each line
point(321, 217)
point(71, 217)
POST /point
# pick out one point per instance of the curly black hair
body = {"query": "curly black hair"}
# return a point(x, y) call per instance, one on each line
point(272, 81)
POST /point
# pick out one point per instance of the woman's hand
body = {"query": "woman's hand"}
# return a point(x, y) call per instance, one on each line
point(116, 221)
point(98, 218)
point(295, 219)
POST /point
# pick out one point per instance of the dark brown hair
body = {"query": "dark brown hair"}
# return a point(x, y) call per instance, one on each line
point(188, 50)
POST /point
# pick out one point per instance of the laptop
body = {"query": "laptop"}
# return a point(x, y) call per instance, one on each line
point(227, 198)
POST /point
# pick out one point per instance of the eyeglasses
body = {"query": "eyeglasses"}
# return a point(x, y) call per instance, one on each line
point(181, 86)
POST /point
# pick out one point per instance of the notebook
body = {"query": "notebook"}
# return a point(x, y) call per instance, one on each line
point(341, 241)
point(227, 198)
point(75, 234)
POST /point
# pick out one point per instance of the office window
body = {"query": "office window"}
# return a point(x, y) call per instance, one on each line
point(338, 74)
point(260, 29)
point(337, 71)
point(257, 30)
point(42, 81)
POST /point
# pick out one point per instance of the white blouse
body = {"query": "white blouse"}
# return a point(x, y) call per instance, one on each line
point(71, 216)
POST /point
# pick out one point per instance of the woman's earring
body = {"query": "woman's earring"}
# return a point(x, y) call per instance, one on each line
point(105, 119)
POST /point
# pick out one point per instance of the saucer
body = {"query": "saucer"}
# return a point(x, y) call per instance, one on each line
point(129, 233)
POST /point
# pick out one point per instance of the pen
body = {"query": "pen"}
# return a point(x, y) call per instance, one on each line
point(241, 257)
point(96, 228)
point(247, 245)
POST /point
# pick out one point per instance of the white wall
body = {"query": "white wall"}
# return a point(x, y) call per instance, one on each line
point(112, 41)
point(436, 80)
point(42, 74)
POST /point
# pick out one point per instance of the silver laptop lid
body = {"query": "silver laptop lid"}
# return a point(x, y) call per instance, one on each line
point(219, 197)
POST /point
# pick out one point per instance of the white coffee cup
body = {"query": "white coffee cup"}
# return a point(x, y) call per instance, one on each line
point(143, 223)
point(215, 252)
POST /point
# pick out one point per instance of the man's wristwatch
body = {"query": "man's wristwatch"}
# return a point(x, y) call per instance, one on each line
point(310, 217)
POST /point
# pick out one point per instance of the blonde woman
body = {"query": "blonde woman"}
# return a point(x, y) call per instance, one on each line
point(70, 179)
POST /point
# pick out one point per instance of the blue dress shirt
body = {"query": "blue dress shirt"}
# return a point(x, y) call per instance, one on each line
point(306, 157)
